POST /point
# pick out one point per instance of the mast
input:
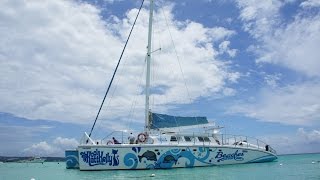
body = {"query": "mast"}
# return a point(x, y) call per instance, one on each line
point(147, 123)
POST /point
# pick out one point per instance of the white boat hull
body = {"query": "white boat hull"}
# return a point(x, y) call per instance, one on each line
point(93, 157)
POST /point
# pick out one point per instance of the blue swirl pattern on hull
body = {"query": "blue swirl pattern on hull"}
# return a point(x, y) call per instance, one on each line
point(72, 159)
point(169, 158)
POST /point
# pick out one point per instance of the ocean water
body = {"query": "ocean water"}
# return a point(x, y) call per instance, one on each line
point(287, 167)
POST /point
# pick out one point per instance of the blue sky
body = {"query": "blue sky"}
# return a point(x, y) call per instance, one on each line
point(250, 66)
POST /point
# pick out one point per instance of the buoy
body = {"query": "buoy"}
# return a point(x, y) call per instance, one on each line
point(280, 164)
point(153, 175)
point(313, 162)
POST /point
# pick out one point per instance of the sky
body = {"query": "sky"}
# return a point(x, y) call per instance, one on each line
point(250, 66)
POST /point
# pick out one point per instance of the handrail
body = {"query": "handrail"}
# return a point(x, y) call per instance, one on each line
point(249, 142)
point(229, 139)
point(123, 140)
point(219, 139)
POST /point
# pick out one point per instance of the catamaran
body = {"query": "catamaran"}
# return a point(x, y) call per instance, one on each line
point(163, 145)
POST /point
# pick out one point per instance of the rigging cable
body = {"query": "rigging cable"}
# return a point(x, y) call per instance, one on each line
point(175, 50)
point(134, 103)
point(176, 53)
point(114, 73)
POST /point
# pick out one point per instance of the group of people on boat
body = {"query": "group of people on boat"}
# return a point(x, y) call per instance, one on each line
point(141, 138)
point(131, 139)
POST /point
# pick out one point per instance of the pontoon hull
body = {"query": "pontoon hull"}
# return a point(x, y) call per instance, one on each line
point(93, 157)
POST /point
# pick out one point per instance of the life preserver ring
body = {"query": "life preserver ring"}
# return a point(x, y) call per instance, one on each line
point(109, 142)
point(142, 137)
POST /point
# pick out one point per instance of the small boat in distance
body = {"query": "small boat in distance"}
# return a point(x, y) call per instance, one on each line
point(33, 160)
point(164, 144)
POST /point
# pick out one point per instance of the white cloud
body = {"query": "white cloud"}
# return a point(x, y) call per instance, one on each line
point(293, 104)
point(41, 149)
point(229, 92)
point(52, 58)
point(56, 56)
point(310, 3)
point(272, 80)
point(65, 143)
point(301, 141)
point(259, 17)
point(292, 44)
point(309, 137)
point(295, 46)
point(224, 48)
point(56, 148)
point(112, 1)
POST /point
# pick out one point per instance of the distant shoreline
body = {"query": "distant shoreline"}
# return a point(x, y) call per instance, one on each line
point(18, 159)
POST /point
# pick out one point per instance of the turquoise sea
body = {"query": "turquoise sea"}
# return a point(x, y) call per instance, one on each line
point(302, 166)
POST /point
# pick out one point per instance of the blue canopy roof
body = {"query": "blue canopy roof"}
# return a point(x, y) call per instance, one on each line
point(167, 121)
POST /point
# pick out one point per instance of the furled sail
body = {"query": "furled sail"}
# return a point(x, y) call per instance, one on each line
point(166, 121)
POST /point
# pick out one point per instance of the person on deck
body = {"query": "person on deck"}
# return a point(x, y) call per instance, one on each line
point(131, 138)
point(115, 141)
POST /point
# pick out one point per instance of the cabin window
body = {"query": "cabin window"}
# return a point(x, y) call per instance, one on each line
point(173, 138)
point(201, 139)
point(187, 138)
point(206, 139)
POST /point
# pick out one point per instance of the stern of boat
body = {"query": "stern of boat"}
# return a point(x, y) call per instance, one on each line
point(72, 159)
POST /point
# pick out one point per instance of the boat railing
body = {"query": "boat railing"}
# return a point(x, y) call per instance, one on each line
point(244, 141)
point(120, 136)
point(194, 138)
point(216, 139)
